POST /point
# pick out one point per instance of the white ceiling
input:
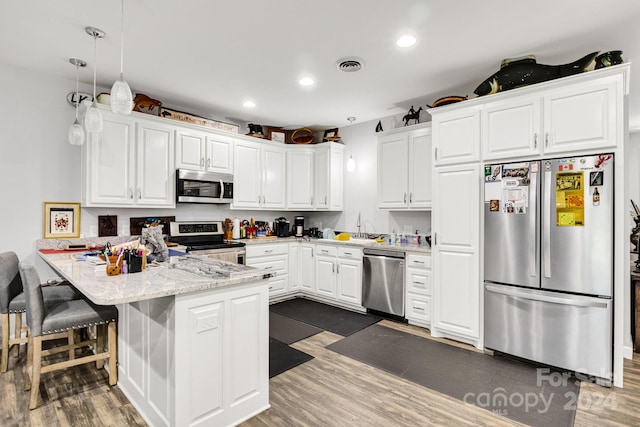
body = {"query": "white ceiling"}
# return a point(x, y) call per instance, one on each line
point(211, 56)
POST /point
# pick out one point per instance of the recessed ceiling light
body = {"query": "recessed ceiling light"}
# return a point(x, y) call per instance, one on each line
point(249, 104)
point(306, 81)
point(406, 41)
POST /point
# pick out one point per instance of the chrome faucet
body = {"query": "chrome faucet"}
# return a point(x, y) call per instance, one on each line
point(359, 234)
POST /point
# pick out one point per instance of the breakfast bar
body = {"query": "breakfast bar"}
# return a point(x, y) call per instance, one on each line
point(193, 347)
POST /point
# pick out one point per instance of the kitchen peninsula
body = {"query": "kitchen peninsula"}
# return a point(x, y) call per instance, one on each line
point(192, 336)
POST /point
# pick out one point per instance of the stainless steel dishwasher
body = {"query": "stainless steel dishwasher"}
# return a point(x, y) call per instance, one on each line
point(383, 281)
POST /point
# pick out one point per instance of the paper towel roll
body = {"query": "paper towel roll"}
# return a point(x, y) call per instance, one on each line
point(236, 228)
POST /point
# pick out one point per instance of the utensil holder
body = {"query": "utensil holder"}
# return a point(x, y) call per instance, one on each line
point(113, 269)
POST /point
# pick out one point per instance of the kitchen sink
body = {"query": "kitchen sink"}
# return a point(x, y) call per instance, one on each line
point(357, 241)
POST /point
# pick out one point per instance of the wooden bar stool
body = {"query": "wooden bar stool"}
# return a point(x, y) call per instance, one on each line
point(12, 301)
point(48, 322)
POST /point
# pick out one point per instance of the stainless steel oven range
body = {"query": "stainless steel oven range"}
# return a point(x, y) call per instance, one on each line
point(206, 238)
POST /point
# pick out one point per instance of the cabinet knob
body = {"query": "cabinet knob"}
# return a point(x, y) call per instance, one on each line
point(410, 197)
point(131, 193)
point(209, 162)
point(201, 162)
point(405, 197)
point(139, 193)
point(535, 140)
point(546, 139)
point(325, 200)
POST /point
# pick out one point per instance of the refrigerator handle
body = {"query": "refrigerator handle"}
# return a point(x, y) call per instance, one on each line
point(546, 298)
point(533, 200)
point(546, 225)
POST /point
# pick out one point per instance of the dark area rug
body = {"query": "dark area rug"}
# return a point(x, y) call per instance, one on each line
point(329, 318)
point(282, 357)
point(505, 386)
point(288, 330)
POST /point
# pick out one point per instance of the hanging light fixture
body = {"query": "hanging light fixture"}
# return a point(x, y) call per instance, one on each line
point(93, 117)
point(76, 133)
point(121, 96)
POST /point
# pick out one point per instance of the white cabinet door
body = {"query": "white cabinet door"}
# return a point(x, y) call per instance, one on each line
point(219, 150)
point(455, 252)
point(247, 176)
point(294, 266)
point(336, 181)
point(190, 149)
point(456, 136)
point(155, 170)
point(349, 281)
point(300, 179)
point(512, 128)
point(326, 276)
point(583, 117)
point(420, 165)
point(273, 177)
point(109, 167)
point(307, 267)
point(322, 179)
point(393, 154)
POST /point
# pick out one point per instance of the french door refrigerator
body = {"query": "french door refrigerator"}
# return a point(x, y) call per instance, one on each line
point(548, 269)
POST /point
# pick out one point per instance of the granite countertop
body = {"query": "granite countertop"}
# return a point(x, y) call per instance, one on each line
point(180, 275)
point(361, 243)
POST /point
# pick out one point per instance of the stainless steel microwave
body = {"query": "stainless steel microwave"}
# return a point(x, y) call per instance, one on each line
point(203, 187)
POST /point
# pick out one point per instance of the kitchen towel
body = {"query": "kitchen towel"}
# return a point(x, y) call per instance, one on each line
point(524, 392)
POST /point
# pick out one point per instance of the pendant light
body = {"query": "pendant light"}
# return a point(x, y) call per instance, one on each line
point(93, 117)
point(76, 133)
point(121, 96)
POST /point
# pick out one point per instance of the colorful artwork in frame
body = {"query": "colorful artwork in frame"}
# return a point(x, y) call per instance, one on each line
point(61, 220)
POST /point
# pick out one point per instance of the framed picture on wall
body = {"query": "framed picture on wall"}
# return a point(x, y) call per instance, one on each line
point(277, 135)
point(61, 220)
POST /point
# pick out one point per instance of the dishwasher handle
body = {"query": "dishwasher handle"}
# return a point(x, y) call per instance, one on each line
point(383, 253)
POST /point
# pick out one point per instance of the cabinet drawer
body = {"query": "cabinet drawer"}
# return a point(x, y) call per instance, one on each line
point(418, 261)
point(419, 281)
point(418, 307)
point(326, 250)
point(277, 285)
point(350, 252)
point(276, 264)
point(267, 249)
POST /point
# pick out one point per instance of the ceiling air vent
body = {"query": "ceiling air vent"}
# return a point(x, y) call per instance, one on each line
point(350, 65)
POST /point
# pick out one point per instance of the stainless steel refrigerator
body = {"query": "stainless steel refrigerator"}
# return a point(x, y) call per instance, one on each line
point(548, 262)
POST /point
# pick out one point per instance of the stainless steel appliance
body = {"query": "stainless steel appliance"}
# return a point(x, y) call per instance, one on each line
point(548, 232)
point(203, 187)
point(383, 281)
point(298, 224)
point(281, 227)
point(206, 238)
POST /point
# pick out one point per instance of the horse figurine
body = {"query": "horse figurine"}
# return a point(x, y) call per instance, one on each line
point(145, 104)
point(412, 115)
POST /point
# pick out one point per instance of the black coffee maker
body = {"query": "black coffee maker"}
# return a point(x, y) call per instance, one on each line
point(281, 227)
point(298, 226)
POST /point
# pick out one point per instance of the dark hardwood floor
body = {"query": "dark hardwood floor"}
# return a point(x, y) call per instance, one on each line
point(330, 390)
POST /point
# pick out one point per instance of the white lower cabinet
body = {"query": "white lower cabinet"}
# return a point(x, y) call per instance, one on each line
point(418, 290)
point(338, 274)
point(273, 257)
point(306, 267)
point(200, 358)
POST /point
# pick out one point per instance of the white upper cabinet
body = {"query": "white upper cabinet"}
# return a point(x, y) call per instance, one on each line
point(583, 117)
point(190, 149)
point(259, 176)
point(329, 177)
point(202, 151)
point(273, 177)
point(404, 170)
point(219, 154)
point(155, 165)
point(512, 128)
point(300, 173)
point(129, 164)
point(456, 136)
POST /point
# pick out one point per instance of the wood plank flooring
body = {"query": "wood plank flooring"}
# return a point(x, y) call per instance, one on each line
point(330, 390)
